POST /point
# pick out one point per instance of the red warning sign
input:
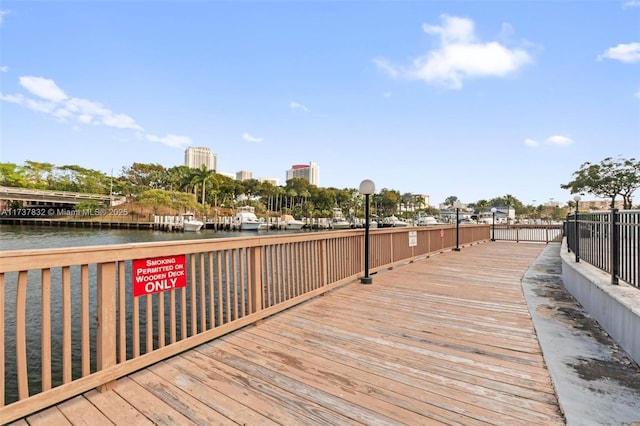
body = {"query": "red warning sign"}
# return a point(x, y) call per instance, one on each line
point(159, 274)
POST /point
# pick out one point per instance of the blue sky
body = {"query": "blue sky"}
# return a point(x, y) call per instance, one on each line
point(468, 98)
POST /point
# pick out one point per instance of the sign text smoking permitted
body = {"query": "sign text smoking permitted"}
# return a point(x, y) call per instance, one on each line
point(158, 274)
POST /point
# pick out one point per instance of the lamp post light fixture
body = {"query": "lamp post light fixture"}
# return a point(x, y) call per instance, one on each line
point(457, 204)
point(577, 237)
point(493, 224)
point(367, 187)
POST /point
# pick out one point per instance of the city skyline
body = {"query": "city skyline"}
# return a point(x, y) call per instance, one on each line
point(198, 156)
point(467, 99)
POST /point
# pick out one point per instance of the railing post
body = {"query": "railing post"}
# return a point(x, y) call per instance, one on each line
point(614, 230)
point(324, 264)
point(106, 316)
point(255, 283)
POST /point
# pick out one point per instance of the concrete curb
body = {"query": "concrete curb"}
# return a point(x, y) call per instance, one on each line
point(597, 383)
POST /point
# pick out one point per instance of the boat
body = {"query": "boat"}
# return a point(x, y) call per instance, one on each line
point(427, 221)
point(338, 220)
point(190, 223)
point(264, 226)
point(246, 219)
point(393, 221)
point(289, 222)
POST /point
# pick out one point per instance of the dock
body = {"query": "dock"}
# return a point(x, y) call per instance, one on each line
point(447, 339)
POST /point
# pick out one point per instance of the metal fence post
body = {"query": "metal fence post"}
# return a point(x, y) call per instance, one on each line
point(614, 229)
point(567, 232)
point(576, 246)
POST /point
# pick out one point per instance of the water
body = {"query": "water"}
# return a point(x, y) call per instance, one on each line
point(22, 237)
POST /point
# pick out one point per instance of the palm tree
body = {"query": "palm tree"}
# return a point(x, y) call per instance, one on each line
point(292, 194)
point(201, 177)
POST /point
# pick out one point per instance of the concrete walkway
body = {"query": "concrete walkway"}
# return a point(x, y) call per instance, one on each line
point(597, 383)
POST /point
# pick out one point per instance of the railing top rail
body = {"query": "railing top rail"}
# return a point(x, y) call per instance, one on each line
point(17, 260)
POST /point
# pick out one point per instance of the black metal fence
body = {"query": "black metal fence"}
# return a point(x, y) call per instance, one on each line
point(609, 240)
point(545, 233)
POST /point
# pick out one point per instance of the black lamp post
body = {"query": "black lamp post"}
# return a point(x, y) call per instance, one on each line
point(457, 205)
point(577, 240)
point(367, 187)
point(493, 224)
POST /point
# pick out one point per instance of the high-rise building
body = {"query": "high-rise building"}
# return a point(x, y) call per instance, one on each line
point(229, 175)
point(243, 175)
point(196, 157)
point(310, 172)
point(272, 181)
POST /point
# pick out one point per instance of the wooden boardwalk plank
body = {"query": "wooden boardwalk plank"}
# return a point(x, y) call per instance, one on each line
point(116, 408)
point(79, 411)
point(444, 340)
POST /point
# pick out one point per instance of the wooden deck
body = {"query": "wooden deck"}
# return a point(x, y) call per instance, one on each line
point(445, 340)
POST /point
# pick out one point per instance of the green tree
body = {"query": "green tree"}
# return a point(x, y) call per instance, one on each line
point(177, 178)
point(450, 200)
point(155, 198)
point(292, 194)
point(386, 202)
point(143, 176)
point(39, 175)
point(481, 206)
point(183, 201)
point(78, 179)
point(608, 179)
point(12, 175)
point(202, 177)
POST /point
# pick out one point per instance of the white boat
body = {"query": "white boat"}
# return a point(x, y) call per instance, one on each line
point(264, 226)
point(246, 219)
point(190, 223)
point(289, 222)
point(427, 221)
point(392, 221)
point(338, 221)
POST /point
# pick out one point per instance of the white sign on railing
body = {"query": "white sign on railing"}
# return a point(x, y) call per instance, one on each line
point(413, 238)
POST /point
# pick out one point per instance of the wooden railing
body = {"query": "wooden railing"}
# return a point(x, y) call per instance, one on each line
point(70, 321)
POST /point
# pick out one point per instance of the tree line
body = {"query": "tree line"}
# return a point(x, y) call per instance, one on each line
point(182, 188)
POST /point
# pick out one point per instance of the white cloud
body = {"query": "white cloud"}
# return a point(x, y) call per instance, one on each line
point(386, 95)
point(627, 53)
point(394, 71)
point(460, 56)
point(530, 142)
point(55, 102)
point(559, 140)
point(4, 68)
point(298, 106)
point(247, 137)
point(637, 95)
point(3, 13)
point(32, 104)
point(52, 100)
point(43, 88)
point(631, 3)
point(173, 141)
